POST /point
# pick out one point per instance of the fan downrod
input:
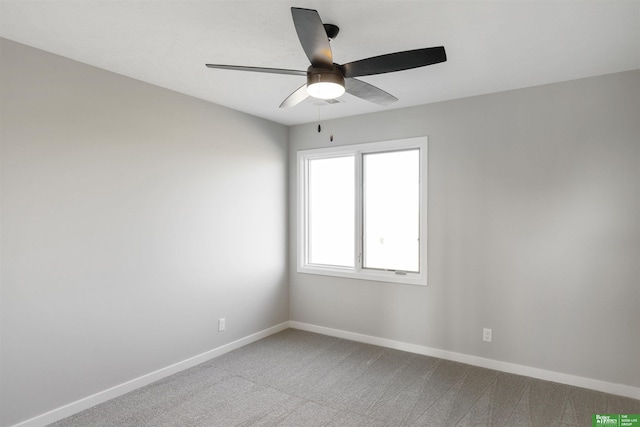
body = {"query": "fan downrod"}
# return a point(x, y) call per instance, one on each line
point(332, 31)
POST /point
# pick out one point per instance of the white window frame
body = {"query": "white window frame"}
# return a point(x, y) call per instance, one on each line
point(358, 272)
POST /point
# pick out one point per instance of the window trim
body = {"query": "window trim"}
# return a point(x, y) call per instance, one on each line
point(303, 156)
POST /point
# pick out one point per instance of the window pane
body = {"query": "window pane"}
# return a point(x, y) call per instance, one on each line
point(392, 210)
point(330, 211)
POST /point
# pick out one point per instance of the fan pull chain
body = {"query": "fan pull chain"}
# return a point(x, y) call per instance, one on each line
point(331, 123)
point(329, 119)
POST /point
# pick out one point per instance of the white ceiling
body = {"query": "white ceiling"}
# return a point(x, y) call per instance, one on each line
point(491, 46)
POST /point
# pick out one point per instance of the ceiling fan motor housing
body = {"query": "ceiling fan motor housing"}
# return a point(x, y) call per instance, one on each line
point(325, 83)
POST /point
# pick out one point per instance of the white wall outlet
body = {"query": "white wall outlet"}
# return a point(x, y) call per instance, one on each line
point(222, 324)
point(486, 334)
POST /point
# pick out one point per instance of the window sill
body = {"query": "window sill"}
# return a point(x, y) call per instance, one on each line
point(415, 279)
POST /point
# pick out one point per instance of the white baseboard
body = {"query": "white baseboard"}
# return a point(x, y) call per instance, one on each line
point(102, 396)
point(113, 392)
point(512, 368)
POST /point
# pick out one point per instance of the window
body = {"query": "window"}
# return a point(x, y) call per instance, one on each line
point(362, 211)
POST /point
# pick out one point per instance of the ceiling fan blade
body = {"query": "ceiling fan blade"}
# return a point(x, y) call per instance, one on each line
point(296, 97)
point(313, 36)
point(369, 92)
point(258, 69)
point(395, 62)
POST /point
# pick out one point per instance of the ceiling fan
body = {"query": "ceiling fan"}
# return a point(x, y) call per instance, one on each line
point(327, 80)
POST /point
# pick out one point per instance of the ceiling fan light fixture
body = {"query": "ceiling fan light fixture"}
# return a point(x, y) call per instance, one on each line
point(325, 84)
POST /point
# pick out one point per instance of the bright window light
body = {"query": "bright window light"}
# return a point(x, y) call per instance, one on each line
point(331, 211)
point(362, 211)
point(391, 183)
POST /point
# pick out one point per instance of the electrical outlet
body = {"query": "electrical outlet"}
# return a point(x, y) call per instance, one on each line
point(486, 335)
point(221, 324)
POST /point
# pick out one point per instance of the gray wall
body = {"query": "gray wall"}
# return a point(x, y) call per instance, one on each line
point(132, 219)
point(533, 230)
